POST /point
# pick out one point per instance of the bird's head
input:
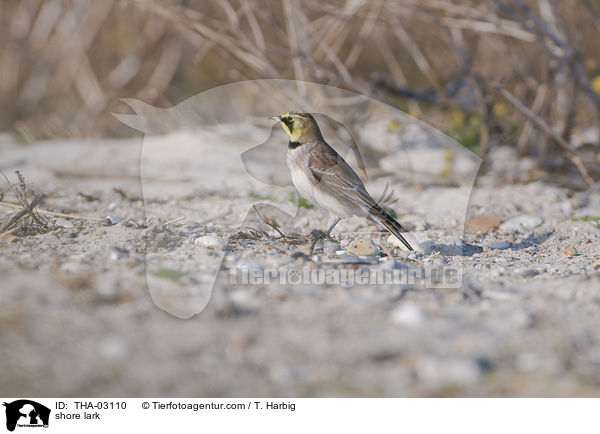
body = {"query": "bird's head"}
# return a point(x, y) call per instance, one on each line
point(301, 127)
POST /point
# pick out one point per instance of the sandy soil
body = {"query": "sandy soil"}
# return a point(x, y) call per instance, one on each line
point(94, 307)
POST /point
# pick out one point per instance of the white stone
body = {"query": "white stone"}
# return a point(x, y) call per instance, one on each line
point(209, 242)
point(408, 314)
point(444, 372)
point(521, 224)
point(63, 223)
point(112, 348)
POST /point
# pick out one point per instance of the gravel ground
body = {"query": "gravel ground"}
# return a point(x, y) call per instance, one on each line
point(130, 305)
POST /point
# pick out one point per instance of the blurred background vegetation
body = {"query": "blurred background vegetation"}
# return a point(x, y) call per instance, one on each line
point(524, 73)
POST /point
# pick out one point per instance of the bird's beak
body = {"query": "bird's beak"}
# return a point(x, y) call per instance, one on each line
point(275, 118)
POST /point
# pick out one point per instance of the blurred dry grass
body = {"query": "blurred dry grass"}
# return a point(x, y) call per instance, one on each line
point(64, 64)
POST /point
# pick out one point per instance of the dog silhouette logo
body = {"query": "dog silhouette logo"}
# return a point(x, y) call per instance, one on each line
point(26, 413)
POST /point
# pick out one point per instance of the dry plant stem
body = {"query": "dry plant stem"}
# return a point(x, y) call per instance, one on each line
point(538, 103)
point(568, 55)
point(269, 222)
point(10, 224)
point(395, 70)
point(178, 219)
point(54, 214)
point(23, 195)
point(571, 155)
point(455, 36)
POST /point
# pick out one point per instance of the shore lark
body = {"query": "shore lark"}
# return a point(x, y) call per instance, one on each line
point(322, 176)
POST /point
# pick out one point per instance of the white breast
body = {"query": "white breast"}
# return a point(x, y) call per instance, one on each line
point(307, 188)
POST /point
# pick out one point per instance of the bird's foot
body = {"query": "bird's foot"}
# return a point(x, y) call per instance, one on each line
point(318, 234)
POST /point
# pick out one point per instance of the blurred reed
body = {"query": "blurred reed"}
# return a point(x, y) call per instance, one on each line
point(65, 64)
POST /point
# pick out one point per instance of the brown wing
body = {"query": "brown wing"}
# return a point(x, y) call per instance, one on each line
point(332, 172)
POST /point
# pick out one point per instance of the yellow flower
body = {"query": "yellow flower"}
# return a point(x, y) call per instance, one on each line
point(500, 109)
point(457, 117)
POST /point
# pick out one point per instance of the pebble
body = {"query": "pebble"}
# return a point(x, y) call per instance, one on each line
point(330, 247)
point(51, 240)
point(497, 271)
point(209, 242)
point(521, 319)
point(521, 224)
point(408, 314)
point(445, 372)
point(113, 219)
point(569, 250)
point(483, 223)
point(117, 253)
point(526, 272)
point(63, 223)
point(362, 247)
point(112, 349)
point(501, 245)
point(534, 362)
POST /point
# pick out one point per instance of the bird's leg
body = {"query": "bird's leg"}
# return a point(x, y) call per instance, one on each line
point(335, 222)
point(316, 236)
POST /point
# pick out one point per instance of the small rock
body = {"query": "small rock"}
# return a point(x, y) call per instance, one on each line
point(209, 242)
point(444, 372)
point(112, 220)
point(51, 240)
point(241, 298)
point(117, 253)
point(521, 224)
point(534, 362)
point(521, 319)
point(112, 349)
point(330, 247)
point(362, 247)
point(569, 250)
point(500, 245)
point(483, 223)
point(408, 314)
point(497, 271)
point(526, 272)
point(63, 223)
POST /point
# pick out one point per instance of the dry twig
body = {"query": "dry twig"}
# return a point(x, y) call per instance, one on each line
point(570, 154)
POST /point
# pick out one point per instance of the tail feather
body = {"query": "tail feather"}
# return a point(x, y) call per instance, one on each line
point(380, 216)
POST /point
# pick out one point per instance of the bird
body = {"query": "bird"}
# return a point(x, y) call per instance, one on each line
point(323, 177)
